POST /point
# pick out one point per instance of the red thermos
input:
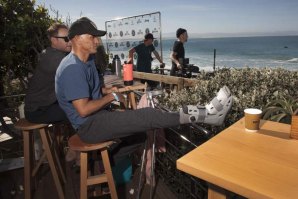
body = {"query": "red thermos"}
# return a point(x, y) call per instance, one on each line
point(127, 74)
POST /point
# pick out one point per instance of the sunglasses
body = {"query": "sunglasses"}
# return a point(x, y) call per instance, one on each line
point(64, 38)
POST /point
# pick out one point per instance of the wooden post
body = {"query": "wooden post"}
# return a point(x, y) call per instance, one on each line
point(214, 59)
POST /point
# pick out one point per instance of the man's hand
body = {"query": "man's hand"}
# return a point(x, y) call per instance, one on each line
point(114, 89)
point(179, 66)
point(120, 98)
point(106, 91)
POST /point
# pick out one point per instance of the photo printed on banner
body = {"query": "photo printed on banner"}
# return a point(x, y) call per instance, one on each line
point(124, 34)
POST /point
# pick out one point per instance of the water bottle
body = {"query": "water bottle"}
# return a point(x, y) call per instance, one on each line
point(21, 110)
point(117, 64)
point(127, 74)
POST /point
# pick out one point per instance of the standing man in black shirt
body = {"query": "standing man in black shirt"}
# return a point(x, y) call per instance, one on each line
point(144, 51)
point(178, 53)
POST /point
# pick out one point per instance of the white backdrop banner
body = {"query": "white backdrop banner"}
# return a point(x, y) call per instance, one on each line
point(125, 33)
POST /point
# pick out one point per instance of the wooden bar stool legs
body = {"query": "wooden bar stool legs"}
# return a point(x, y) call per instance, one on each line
point(108, 170)
point(76, 144)
point(28, 160)
point(54, 162)
point(27, 129)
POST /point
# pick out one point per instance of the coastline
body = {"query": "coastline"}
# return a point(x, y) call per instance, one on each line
point(238, 52)
point(233, 52)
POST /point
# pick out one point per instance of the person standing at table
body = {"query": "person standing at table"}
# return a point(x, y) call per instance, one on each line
point(178, 53)
point(41, 104)
point(144, 60)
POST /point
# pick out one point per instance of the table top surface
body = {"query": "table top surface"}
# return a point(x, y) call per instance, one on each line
point(113, 80)
point(261, 164)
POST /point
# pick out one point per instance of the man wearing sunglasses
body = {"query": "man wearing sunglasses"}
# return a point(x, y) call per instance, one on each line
point(41, 105)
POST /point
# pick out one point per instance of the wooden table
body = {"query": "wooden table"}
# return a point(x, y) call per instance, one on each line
point(262, 164)
point(113, 80)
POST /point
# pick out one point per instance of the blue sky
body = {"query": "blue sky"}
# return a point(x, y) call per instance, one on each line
point(204, 17)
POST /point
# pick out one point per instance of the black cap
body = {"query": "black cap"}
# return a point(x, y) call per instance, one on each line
point(84, 26)
point(179, 32)
point(149, 36)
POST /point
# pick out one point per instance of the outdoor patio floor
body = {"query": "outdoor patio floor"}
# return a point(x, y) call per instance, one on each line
point(11, 183)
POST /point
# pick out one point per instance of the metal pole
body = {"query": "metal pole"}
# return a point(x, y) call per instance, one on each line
point(142, 170)
point(152, 173)
point(214, 59)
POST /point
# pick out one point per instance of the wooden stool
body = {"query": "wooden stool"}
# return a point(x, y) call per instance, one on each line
point(76, 144)
point(131, 94)
point(49, 152)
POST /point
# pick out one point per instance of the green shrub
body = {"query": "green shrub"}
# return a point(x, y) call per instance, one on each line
point(281, 109)
point(251, 87)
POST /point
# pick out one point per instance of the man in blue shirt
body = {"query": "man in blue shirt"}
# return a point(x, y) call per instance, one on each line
point(83, 98)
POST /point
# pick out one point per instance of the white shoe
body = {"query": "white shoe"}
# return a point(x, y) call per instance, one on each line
point(213, 113)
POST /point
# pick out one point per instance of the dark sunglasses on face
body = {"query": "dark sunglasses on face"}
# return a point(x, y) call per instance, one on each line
point(64, 38)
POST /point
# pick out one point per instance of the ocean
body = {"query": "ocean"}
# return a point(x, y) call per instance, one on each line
point(270, 51)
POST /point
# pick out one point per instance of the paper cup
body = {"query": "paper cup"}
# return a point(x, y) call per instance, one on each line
point(252, 119)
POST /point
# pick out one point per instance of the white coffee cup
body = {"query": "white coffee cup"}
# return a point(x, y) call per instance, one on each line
point(252, 119)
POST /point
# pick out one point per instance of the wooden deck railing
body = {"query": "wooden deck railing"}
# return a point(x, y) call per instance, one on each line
point(167, 79)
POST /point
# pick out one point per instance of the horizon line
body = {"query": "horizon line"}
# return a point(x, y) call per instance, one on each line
point(221, 36)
